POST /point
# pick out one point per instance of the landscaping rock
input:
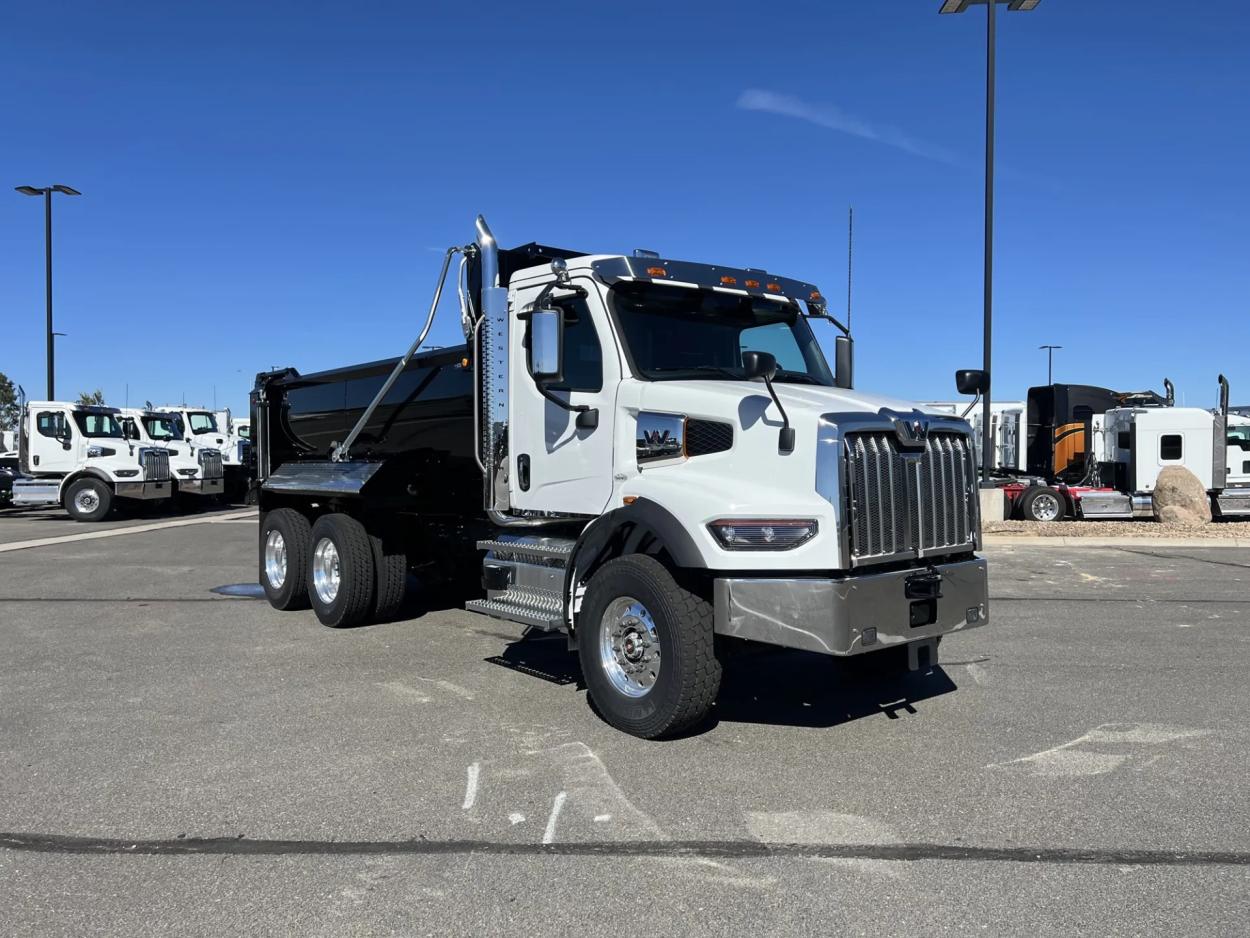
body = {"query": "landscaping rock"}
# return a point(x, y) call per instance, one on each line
point(1179, 498)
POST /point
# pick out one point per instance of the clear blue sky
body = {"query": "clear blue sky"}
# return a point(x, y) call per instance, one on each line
point(269, 183)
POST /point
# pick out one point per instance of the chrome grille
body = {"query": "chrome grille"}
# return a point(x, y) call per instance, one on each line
point(909, 503)
point(155, 465)
point(210, 463)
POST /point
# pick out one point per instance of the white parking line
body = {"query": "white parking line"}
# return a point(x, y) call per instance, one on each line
point(470, 789)
point(117, 532)
point(549, 835)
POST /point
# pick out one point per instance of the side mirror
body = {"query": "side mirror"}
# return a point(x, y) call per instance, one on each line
point(759, 365)
point(844, 362)
point(546, 351)
point(972, 381)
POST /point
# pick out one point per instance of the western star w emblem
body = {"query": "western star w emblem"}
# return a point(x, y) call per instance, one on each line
point(911, 433)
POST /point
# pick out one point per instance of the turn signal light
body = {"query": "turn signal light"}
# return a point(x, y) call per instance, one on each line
point(756, 534)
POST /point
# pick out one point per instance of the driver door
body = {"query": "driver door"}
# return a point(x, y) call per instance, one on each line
point(53, 441)
point(555, 465)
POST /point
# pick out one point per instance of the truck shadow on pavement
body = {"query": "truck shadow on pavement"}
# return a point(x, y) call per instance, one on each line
point(768, 686)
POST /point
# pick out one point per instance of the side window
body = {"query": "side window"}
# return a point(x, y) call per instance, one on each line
point(51, 423)
point(583, 356)
point(1171, 447)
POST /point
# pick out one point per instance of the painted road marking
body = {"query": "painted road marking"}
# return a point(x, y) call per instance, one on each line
point(549, 835)
point(470, 788)
point(117, 532)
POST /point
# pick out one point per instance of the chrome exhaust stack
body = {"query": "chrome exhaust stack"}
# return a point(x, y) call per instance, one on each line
point(492, 377)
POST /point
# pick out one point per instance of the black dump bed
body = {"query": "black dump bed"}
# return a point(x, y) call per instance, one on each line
point(419, 442)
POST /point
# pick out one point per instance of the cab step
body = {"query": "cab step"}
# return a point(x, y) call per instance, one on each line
point(524, 580)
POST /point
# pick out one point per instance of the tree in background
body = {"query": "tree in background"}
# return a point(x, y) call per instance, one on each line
point(9, 413)
point(92, 397)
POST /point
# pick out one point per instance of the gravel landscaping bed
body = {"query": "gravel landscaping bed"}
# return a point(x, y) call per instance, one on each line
point(1216, 530)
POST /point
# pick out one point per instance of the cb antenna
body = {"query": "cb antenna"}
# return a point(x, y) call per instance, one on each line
point(850, 238)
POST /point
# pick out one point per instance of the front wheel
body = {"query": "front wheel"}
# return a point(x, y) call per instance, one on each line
point(647, 649)
point(88, 500)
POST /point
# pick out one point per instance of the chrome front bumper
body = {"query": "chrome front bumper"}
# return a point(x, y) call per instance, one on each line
point(145, 491)
point(854, 614)
point(195, 486)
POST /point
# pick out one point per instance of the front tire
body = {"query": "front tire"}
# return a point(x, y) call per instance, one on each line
point(340, 571)
point(284, 545)
point(646, 649)
point(88, 500)
point(1042, 503)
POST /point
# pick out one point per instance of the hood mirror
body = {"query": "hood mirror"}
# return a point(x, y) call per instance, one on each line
point(757, 365)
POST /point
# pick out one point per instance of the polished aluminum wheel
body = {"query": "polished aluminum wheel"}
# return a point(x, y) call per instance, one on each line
point(1045, 507)
point(275, 559)
point(325, 570)
point(629, 647)
point(87, 500)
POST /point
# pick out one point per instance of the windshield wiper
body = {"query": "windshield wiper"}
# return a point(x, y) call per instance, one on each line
point(801, 377)
point(714, 369)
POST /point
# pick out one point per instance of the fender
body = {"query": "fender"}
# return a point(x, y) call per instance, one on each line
point(78, 474)
point(641, 527)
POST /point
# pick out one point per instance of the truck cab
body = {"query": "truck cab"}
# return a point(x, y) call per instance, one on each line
point(209, 429)
point(652, 456)
point(193, 473)
point(77, 456)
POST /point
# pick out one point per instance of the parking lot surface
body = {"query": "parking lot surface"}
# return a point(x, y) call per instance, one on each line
point(175, 760)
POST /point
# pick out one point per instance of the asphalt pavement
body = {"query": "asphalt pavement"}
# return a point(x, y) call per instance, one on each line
point(178, 761)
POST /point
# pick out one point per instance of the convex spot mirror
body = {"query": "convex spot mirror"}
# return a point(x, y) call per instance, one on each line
point(972, 381)
point(546, 351)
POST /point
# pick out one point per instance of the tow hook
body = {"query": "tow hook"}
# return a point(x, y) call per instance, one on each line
point(926, 585)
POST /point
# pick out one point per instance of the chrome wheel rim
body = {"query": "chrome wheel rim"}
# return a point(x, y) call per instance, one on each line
point(275, 559)
point(87, 501)
point(325, 570)
point(629, 647)
point(1045, 507)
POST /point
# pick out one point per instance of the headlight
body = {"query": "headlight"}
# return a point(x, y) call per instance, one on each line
point(186, 472)
point(94, 452)
point(756, 534)
point(126, 473)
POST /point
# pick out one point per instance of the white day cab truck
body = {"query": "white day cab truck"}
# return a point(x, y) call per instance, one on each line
point(207, 429)
point(76, 455)
point(195, 473)
point(649, 455)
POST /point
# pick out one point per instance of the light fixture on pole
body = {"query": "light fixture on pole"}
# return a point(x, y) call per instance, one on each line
point(46, 192)
point(1050, 361)
point(959, 6)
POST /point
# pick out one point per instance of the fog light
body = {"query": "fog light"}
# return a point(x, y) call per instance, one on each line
point(973, 615)
point(870, 637)
point(756, 534)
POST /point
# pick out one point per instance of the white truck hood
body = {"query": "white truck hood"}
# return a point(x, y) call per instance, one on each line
point(801, 401)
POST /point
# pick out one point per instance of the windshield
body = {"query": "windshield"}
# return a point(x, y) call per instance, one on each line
point(163, 427)
point(202, 422)
point(676, 333)
point(98, 425)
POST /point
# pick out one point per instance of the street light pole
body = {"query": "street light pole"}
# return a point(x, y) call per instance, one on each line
point(1050, 362)
point(959, 6)
point(46, 192)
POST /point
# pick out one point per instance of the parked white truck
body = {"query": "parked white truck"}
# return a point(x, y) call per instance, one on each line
point(207, 429)
point(77, 456)
point(197, 472)
point(649, 455)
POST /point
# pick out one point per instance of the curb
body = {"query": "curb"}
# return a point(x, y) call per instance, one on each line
point(1033, 540)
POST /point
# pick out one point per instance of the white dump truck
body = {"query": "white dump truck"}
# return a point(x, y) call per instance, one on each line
point(652, 456)
point(76, 455)
point(195, 472)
